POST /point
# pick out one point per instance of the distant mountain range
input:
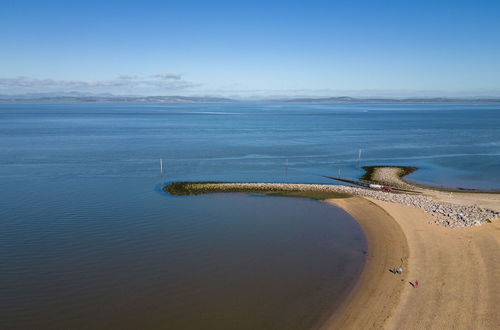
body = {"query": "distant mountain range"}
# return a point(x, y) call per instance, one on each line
point(347, 99)
point(114, 98)
point(73, 97)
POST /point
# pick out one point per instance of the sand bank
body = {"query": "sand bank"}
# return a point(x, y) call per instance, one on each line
point(458, 271)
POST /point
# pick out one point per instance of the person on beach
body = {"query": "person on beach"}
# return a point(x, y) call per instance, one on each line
point(416, 284)
point(397, 270)
point(400, 269)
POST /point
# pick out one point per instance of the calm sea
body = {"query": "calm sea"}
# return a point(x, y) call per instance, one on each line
point(89, 240)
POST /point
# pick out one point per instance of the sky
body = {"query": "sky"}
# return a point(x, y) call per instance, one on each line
point(251, 48)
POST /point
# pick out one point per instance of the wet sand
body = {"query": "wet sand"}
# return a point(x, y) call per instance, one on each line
point(378, 290)
point(458, 271)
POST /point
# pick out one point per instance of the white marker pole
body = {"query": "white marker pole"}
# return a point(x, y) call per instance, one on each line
point(161, 167)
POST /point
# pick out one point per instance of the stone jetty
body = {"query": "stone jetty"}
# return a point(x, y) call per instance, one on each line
point(442, 213)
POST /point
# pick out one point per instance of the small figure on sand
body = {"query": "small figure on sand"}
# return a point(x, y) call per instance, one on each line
point(415, 284)
point(397, 270)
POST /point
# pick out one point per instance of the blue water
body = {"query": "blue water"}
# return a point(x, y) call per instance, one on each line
point(89, 240)
point(455, 145)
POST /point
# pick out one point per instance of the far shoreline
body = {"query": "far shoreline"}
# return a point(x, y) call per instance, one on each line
point(111, 98)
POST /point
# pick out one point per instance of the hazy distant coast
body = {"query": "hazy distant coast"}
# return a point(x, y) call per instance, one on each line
point(132, 99)
point(347, 99)
point(213, 99)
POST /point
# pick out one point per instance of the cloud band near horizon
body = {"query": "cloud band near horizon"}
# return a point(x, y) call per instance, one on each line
point(157, 83)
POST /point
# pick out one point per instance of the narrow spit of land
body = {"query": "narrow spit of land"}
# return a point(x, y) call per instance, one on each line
point(458, 269)
point(394, 176)
point(438, 211)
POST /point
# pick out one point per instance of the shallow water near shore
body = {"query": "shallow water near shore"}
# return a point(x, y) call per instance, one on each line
point(89, 239)
point(126, 256)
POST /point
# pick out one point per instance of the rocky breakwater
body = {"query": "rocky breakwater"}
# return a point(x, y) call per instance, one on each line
point(441, 213)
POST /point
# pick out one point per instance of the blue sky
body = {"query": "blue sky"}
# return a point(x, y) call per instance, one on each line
point(254, 48)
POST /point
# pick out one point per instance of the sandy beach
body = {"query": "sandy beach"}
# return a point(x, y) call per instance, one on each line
point(458, 270)
point(377, 292)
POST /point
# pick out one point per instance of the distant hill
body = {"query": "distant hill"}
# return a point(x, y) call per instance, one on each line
point(72, 97)
point(347, 99)
point(113, 98)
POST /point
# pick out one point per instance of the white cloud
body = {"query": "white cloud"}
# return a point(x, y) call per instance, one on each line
point(123, 84)
point(126, 77)
point(168, 75)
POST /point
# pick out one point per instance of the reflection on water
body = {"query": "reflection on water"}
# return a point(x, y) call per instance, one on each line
point(127, 256)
